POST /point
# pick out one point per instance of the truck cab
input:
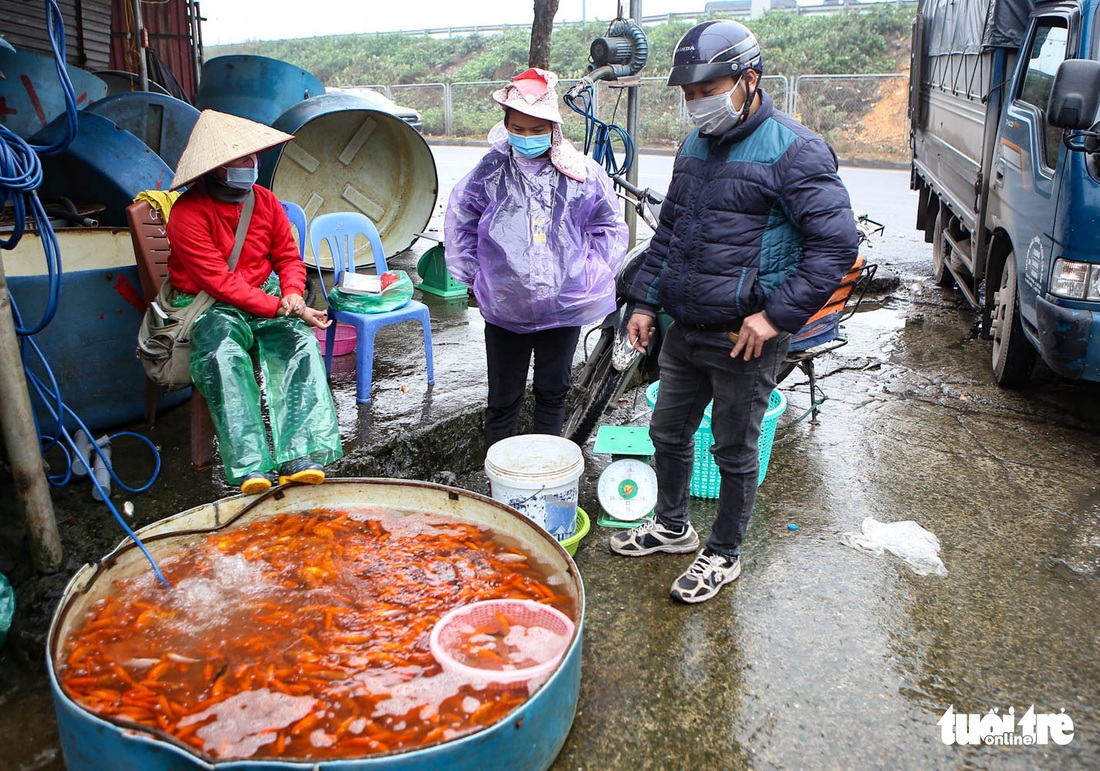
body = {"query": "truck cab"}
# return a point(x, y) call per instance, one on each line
point(1005, 159)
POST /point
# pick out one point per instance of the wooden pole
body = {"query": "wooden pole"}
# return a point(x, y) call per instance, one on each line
point(21, 441)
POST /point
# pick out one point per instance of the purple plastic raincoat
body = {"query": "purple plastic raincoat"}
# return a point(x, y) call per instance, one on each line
point(539, 249)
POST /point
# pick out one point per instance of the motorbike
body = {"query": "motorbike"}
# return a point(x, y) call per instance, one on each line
point(610, 363)
point(611, 366)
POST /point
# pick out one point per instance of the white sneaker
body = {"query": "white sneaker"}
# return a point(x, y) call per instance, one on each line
point(708, 573)
point(651, 536)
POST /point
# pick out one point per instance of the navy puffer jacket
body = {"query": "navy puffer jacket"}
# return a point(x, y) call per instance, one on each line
point(756, 220)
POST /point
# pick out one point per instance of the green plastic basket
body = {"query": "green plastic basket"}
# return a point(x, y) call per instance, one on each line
point(706, 480)
point(583, 526)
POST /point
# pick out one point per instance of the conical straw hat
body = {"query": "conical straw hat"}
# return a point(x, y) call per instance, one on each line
point(219, 138)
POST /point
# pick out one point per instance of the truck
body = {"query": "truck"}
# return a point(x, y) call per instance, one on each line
point(1005, 144)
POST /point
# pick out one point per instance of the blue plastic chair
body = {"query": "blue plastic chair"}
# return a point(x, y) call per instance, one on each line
point(297, 218)
point(338, 230)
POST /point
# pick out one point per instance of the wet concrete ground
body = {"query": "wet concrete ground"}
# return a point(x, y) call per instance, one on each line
point(819, 656)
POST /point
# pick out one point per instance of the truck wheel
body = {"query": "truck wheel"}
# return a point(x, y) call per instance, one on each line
point(1013, 355)
point(941, 252)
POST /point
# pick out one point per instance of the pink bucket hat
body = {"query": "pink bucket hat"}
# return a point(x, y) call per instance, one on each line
point(532, 93)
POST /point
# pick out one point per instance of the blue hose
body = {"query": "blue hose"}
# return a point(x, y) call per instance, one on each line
point(599, 137)
point(49, 394)
point(55, 25)
point(21, 174)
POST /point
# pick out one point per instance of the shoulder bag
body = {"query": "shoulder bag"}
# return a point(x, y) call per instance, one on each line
point(164, 337)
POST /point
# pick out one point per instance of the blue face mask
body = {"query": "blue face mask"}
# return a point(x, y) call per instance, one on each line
point(529, 147)
point(241, 177)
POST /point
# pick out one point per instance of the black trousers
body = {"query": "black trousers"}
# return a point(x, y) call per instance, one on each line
point(508, 357)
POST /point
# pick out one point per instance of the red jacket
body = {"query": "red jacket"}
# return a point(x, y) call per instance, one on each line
point(201, 232)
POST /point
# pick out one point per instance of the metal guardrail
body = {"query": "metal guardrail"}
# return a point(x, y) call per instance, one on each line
point(841, 5)
point(863, 116)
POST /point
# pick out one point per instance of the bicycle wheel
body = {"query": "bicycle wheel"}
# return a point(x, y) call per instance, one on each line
point(600, 390)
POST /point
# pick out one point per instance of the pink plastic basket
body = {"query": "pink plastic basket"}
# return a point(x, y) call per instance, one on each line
point(501, 641)
point(345, 339)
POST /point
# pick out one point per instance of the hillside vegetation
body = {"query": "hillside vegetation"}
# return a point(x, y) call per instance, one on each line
point(841, 43)
point(862, 117)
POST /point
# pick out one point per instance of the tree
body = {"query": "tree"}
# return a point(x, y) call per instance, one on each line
point(541, 29)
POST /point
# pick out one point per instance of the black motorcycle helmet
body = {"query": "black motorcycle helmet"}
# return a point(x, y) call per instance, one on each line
point(713, 49)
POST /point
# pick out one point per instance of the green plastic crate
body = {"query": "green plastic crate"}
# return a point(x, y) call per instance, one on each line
point(705, 477)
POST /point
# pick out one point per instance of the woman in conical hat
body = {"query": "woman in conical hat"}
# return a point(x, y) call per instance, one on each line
point(537, 232)
point(259, 310)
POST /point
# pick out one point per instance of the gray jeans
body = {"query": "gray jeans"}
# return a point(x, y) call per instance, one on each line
point(696, 367)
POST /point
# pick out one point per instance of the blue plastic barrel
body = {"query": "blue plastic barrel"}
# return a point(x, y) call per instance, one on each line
point(90, 343)
point(254, 87)
point(527, 739)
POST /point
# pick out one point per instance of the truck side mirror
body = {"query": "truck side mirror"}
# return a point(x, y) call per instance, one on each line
point(1075, 95)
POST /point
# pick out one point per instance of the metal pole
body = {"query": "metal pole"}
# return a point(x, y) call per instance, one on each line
point(143, 66)
point(632, 103)
point(21, 442)
point(448, 110)
point(196, 45)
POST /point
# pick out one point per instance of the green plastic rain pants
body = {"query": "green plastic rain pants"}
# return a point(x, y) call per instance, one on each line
point(299, 402)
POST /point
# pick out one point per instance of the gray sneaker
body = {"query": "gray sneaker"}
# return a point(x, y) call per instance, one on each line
point(652, 536)
point(708, 573)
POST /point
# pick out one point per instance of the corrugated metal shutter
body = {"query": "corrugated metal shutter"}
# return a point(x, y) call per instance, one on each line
point(87, 29)
point(168, 25)
point(96, 40)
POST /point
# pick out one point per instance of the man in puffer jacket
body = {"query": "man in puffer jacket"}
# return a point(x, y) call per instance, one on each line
point(755, 234)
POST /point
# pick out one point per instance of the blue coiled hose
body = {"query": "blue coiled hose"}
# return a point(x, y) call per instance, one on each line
point(599, 137)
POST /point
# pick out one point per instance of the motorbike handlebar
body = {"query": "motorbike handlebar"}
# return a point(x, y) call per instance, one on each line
point(638, 193)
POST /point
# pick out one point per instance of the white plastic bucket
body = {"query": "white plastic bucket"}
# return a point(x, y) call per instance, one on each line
point(537, 474)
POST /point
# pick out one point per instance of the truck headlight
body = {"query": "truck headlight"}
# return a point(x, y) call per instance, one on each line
point(1073, 280)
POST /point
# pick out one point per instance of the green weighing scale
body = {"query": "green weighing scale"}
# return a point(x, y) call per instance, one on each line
point(627, 488)
point(435, 278)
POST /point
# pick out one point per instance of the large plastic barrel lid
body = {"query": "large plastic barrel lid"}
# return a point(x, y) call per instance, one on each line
point(346, 156)
point(163, 122)
point(254, 87)
point(32, 93)
point(105, 164)
point(122, 82)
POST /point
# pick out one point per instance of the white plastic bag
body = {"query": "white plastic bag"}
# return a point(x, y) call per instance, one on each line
point(908, 540)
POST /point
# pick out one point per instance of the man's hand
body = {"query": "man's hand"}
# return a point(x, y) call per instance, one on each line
point(755, 331)
point(639, 329)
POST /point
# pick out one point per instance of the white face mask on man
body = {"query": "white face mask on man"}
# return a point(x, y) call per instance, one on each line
point(714, 115)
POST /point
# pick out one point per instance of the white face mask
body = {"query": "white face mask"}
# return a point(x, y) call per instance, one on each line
point(241, 177)
point(714, 115)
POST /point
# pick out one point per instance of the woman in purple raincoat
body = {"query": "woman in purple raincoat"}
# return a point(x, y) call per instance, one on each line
point(538, 234)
